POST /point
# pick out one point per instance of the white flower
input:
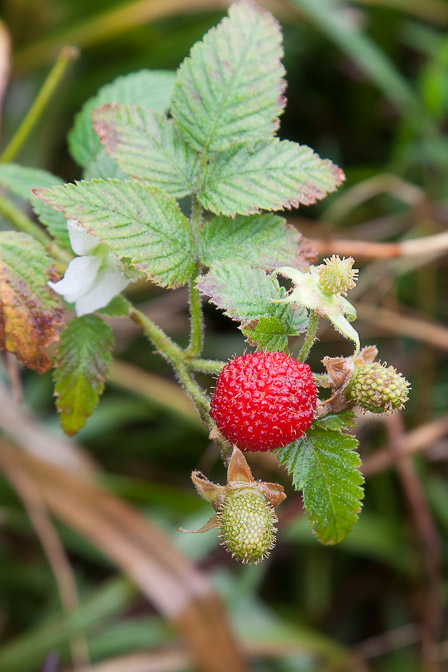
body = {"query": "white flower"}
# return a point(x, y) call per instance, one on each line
point(308, 292)
point(91, 280)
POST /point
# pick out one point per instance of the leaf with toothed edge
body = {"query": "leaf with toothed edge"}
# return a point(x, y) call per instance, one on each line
point(268, 333)
point(325, 465)
point(259, 240)
point(337, 421)
point(152, 89)
point(81, 364)
point(268, 175)
point(20, 180)
point(30, 313)
point(139, 223)
point(230, 89)
point(147, 146)
point(246, 294)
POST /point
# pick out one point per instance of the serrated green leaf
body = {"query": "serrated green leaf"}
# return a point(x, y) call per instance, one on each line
point(337, 421)
point(147, 146)
point(81, 364)
point(325, 465)
point(259, 240)
point(30, 312)
point(20, 180)
point(245, 294)
point(268, 333)
point(139, 223)
point(148, 88)
point(230, 89)
point(267, 175)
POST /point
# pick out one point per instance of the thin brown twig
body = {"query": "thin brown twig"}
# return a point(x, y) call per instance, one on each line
point(436, 244)
point(53, 549)
point(412, 327)
point(429, 540)
point(417, 440)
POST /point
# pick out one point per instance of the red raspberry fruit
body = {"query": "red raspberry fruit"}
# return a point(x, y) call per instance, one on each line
point(264, 400)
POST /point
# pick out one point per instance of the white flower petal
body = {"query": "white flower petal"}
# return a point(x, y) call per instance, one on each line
point(81, 241)
point(110, 282)
point(78, 279)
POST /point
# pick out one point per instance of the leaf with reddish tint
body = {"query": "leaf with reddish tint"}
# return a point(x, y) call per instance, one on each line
point(30, 311)
point(270, 174)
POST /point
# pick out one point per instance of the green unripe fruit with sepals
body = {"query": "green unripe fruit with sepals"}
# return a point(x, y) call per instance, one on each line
point(378, 389)
point(247, 524)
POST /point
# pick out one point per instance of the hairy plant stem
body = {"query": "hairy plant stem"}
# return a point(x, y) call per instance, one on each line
point(23, 223)
point(196, 317)
point(310, 336)
point(55, 75)
point(206, 365)
point(176, 357)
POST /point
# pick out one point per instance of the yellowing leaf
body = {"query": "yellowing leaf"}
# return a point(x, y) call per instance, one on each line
point(29, 311)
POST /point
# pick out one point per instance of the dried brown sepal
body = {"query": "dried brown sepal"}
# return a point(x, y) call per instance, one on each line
point(239, 479)
point(340, 371)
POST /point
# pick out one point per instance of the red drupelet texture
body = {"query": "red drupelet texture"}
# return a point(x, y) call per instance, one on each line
point(264, 400)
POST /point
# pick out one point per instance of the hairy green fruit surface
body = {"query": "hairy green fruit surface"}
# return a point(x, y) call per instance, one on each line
point(247, 525)
point(378, 388)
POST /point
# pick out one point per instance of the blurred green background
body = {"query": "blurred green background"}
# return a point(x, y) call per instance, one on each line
point(368, 88)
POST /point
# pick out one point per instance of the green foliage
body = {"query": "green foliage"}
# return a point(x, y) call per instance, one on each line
point(268, 333)
point(230, 89)
point(147, 146)
point(20, 180)
point(146, 88)
point(81, 364)
point(247, 294)
point(337, 421)
point(29, 311)
point(138, 222)
point(268, 175)
point(264, 240)
point(325, 465)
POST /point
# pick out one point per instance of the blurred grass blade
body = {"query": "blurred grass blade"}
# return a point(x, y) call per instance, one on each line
point(330, 17)
point(5, 64)
point(159, 390)
point(106, 25)
point(24, 653)
point(429, 10)
point(179, 591)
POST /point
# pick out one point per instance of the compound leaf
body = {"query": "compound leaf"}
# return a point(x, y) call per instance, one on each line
point(267, 175)
point(29, 311)
point(147, 146)
point(20, 180)
point(139, 223)
point(259, 240)
point(148, 88)
point(81, 364)
point(230, 89)
point(325, 465)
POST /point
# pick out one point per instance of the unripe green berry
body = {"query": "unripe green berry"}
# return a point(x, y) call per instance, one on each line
point(337, 275)
point(247, 521)
point(378, 388)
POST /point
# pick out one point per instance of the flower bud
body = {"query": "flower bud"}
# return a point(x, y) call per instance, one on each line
point(378, 389)
point(247, 524)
